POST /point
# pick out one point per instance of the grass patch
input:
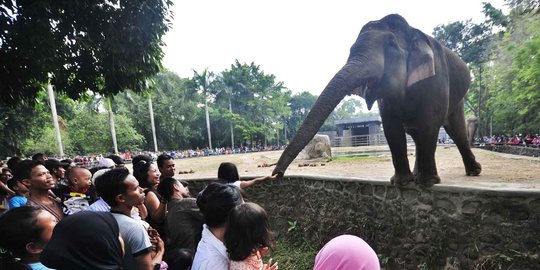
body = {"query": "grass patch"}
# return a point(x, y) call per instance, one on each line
point(354, 158)
point(294, 256)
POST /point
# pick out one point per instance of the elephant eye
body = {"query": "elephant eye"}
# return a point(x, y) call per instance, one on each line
point(391, 44)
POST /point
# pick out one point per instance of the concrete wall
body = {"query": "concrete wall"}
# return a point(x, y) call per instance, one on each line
point(515, 150)
point(410, 228)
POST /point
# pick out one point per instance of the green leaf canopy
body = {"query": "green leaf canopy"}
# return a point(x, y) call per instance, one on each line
point(101, 46)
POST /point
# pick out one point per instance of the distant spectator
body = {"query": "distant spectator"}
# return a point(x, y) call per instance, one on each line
point(165, 164)
point(347, 252)
point(74, 243)
point(68, 164)
point(5, 191)
point(118, 161)
point(25, 232)
point(215, 202)
point(21, 193)
point(39, 157)
point(248, 238)
point(104, 163)
point(12, 162)
point(56, 168)
point(78, 194)
point(40, 182)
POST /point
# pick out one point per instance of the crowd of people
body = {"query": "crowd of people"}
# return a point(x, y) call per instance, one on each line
point(528, 140)
point(63, 216)
point(90, 161)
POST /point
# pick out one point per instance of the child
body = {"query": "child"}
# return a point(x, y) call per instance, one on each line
point(25, 232)
point(248, 237)
point(21, 192)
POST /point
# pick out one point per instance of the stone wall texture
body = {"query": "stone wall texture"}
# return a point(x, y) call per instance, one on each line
point(515, 150)
point(443, 227)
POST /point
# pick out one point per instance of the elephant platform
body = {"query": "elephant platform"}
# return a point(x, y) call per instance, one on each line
point(500, 171)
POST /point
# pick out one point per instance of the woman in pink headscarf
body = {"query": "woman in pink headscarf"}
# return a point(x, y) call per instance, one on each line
point(347, 252)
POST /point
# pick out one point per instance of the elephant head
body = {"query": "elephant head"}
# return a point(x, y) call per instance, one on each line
point(387, 58)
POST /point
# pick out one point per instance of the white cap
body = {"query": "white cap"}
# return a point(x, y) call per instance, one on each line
point(98, 174)
point(106, 163)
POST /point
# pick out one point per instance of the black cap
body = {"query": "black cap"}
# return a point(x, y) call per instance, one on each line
point(52, 163)
point(117, 159)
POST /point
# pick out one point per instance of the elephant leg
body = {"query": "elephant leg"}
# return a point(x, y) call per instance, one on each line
point(395, 136)
point(456, 129)
point(425, 168)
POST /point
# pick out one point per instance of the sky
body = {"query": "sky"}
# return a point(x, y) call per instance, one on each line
point(302, 42)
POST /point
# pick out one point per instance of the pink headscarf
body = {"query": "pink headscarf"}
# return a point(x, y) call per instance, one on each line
point(347, 252)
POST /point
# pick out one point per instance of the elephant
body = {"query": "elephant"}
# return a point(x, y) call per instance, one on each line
point(472, 126)
point(419, 86)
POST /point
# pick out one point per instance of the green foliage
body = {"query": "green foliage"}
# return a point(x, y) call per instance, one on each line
point(90, 133)
point(47, 142)
point(257, 101)
point(300, 105)
point(294, 255)
point(101, 46)
point(514, 78)
point(503, 55)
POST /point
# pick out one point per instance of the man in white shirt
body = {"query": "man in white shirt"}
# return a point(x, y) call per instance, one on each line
point(215, 203)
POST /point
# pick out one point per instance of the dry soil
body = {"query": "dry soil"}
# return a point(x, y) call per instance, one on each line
point(375, 163)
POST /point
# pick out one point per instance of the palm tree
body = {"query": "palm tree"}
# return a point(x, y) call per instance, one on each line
point(94, 105)
point(205, 82)
point(230, 86)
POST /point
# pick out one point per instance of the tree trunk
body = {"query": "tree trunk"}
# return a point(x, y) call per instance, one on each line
point(151, 110)
point(231, 123)
point(55, 119)
point(111, 125)
point(207, 122)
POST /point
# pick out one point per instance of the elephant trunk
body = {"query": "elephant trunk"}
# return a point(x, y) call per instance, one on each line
point(334, 92)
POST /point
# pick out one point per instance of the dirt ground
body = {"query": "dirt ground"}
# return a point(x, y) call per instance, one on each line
point(375, 163)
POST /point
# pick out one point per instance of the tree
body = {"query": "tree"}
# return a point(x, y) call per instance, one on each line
point(101, 46)
point(175, 109)
point(90, 135)
point(514, 76)
point(474, 42)
point(300, 105)
point(206, 83)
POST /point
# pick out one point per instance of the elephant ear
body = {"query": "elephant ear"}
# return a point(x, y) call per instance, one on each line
point(420, 64)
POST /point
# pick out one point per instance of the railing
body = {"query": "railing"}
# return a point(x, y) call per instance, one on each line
point(362, 140)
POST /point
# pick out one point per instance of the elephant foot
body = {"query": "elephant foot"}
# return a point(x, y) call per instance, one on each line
point(402, 179)
point(474, 169)
point(426, 180)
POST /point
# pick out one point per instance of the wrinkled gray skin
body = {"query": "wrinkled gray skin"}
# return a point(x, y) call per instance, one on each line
point(419, 86)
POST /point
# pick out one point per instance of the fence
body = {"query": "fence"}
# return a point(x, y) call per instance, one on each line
point(362, 140)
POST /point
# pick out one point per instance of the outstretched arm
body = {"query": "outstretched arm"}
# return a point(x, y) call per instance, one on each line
point(249, 183)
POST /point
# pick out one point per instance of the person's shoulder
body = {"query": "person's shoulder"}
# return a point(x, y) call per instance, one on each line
point(185, 203)
point(127, 223)
point(61, 190)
